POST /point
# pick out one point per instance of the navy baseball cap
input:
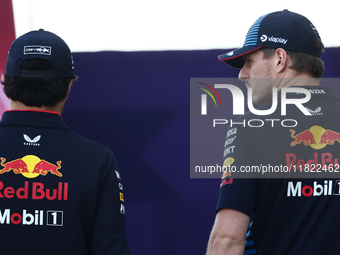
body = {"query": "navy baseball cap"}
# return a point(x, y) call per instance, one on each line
point(282, 29)
point(44, 45)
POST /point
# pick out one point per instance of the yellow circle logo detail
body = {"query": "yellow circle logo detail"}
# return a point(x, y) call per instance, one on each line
point(31, 162)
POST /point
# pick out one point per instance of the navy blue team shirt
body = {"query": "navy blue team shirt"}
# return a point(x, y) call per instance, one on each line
point(59, 192)
point(295, 216)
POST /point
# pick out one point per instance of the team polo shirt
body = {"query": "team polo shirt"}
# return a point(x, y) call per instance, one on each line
point(59, 192)
point(294, 216)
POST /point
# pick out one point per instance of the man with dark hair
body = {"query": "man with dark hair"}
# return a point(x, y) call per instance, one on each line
point(281, 214)
point(60, 193)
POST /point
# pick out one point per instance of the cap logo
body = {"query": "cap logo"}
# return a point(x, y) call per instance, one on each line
point(230, 53)
point(263, 38)
point(37, 49)
point(313, 28)
point(277, 40)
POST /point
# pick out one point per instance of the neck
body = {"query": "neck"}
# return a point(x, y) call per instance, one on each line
point(293, 79)
point(14, 105)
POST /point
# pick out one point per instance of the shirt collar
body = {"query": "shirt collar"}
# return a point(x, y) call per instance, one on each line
point(34, 118)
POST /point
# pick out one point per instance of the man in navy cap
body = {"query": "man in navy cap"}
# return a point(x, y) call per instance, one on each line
point(60, 193)
point(281, 215)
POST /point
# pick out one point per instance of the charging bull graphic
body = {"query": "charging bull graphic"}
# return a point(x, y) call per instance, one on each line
point(18, 166)
point(330, 137)
point(305, 137)
point(30, 166)
point(43, 167)
point(317, 137)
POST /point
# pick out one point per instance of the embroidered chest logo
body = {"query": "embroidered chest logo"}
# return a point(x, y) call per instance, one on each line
point(30, 166)
point(32, 142)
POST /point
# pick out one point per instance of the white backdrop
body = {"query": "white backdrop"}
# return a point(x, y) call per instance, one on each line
point(139, 25)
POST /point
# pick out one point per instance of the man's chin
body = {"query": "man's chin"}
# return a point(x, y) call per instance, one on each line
point(261, 101)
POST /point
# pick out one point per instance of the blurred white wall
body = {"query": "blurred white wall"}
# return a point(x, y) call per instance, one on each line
point(135, 25)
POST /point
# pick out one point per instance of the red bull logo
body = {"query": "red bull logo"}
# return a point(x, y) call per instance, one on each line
point(305, 137)
point(227, 163)
point(226, 177)
point(30, 166)
point(320, 162)
point(35, 191)
point(330, 137)
point(317, 137)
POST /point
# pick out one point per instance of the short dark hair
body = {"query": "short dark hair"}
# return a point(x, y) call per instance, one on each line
point(36, 91)
point(302, 62)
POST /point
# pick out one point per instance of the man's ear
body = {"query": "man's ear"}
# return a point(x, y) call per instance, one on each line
point(69, 89)
point(2, 80)
point(69, 86)
point(281, 58)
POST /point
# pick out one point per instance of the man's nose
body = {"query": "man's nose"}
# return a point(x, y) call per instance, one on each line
point(244, 73)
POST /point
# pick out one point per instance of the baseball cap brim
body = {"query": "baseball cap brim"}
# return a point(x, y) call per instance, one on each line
point(234, 57)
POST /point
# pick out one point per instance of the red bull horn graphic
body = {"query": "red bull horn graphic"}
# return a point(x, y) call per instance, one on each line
point(305, 137)
point(329, 137)
point(317, 137)
point(30, 166)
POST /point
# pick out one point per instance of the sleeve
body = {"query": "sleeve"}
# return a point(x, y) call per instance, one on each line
point(237, 193)
point(109, 228)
